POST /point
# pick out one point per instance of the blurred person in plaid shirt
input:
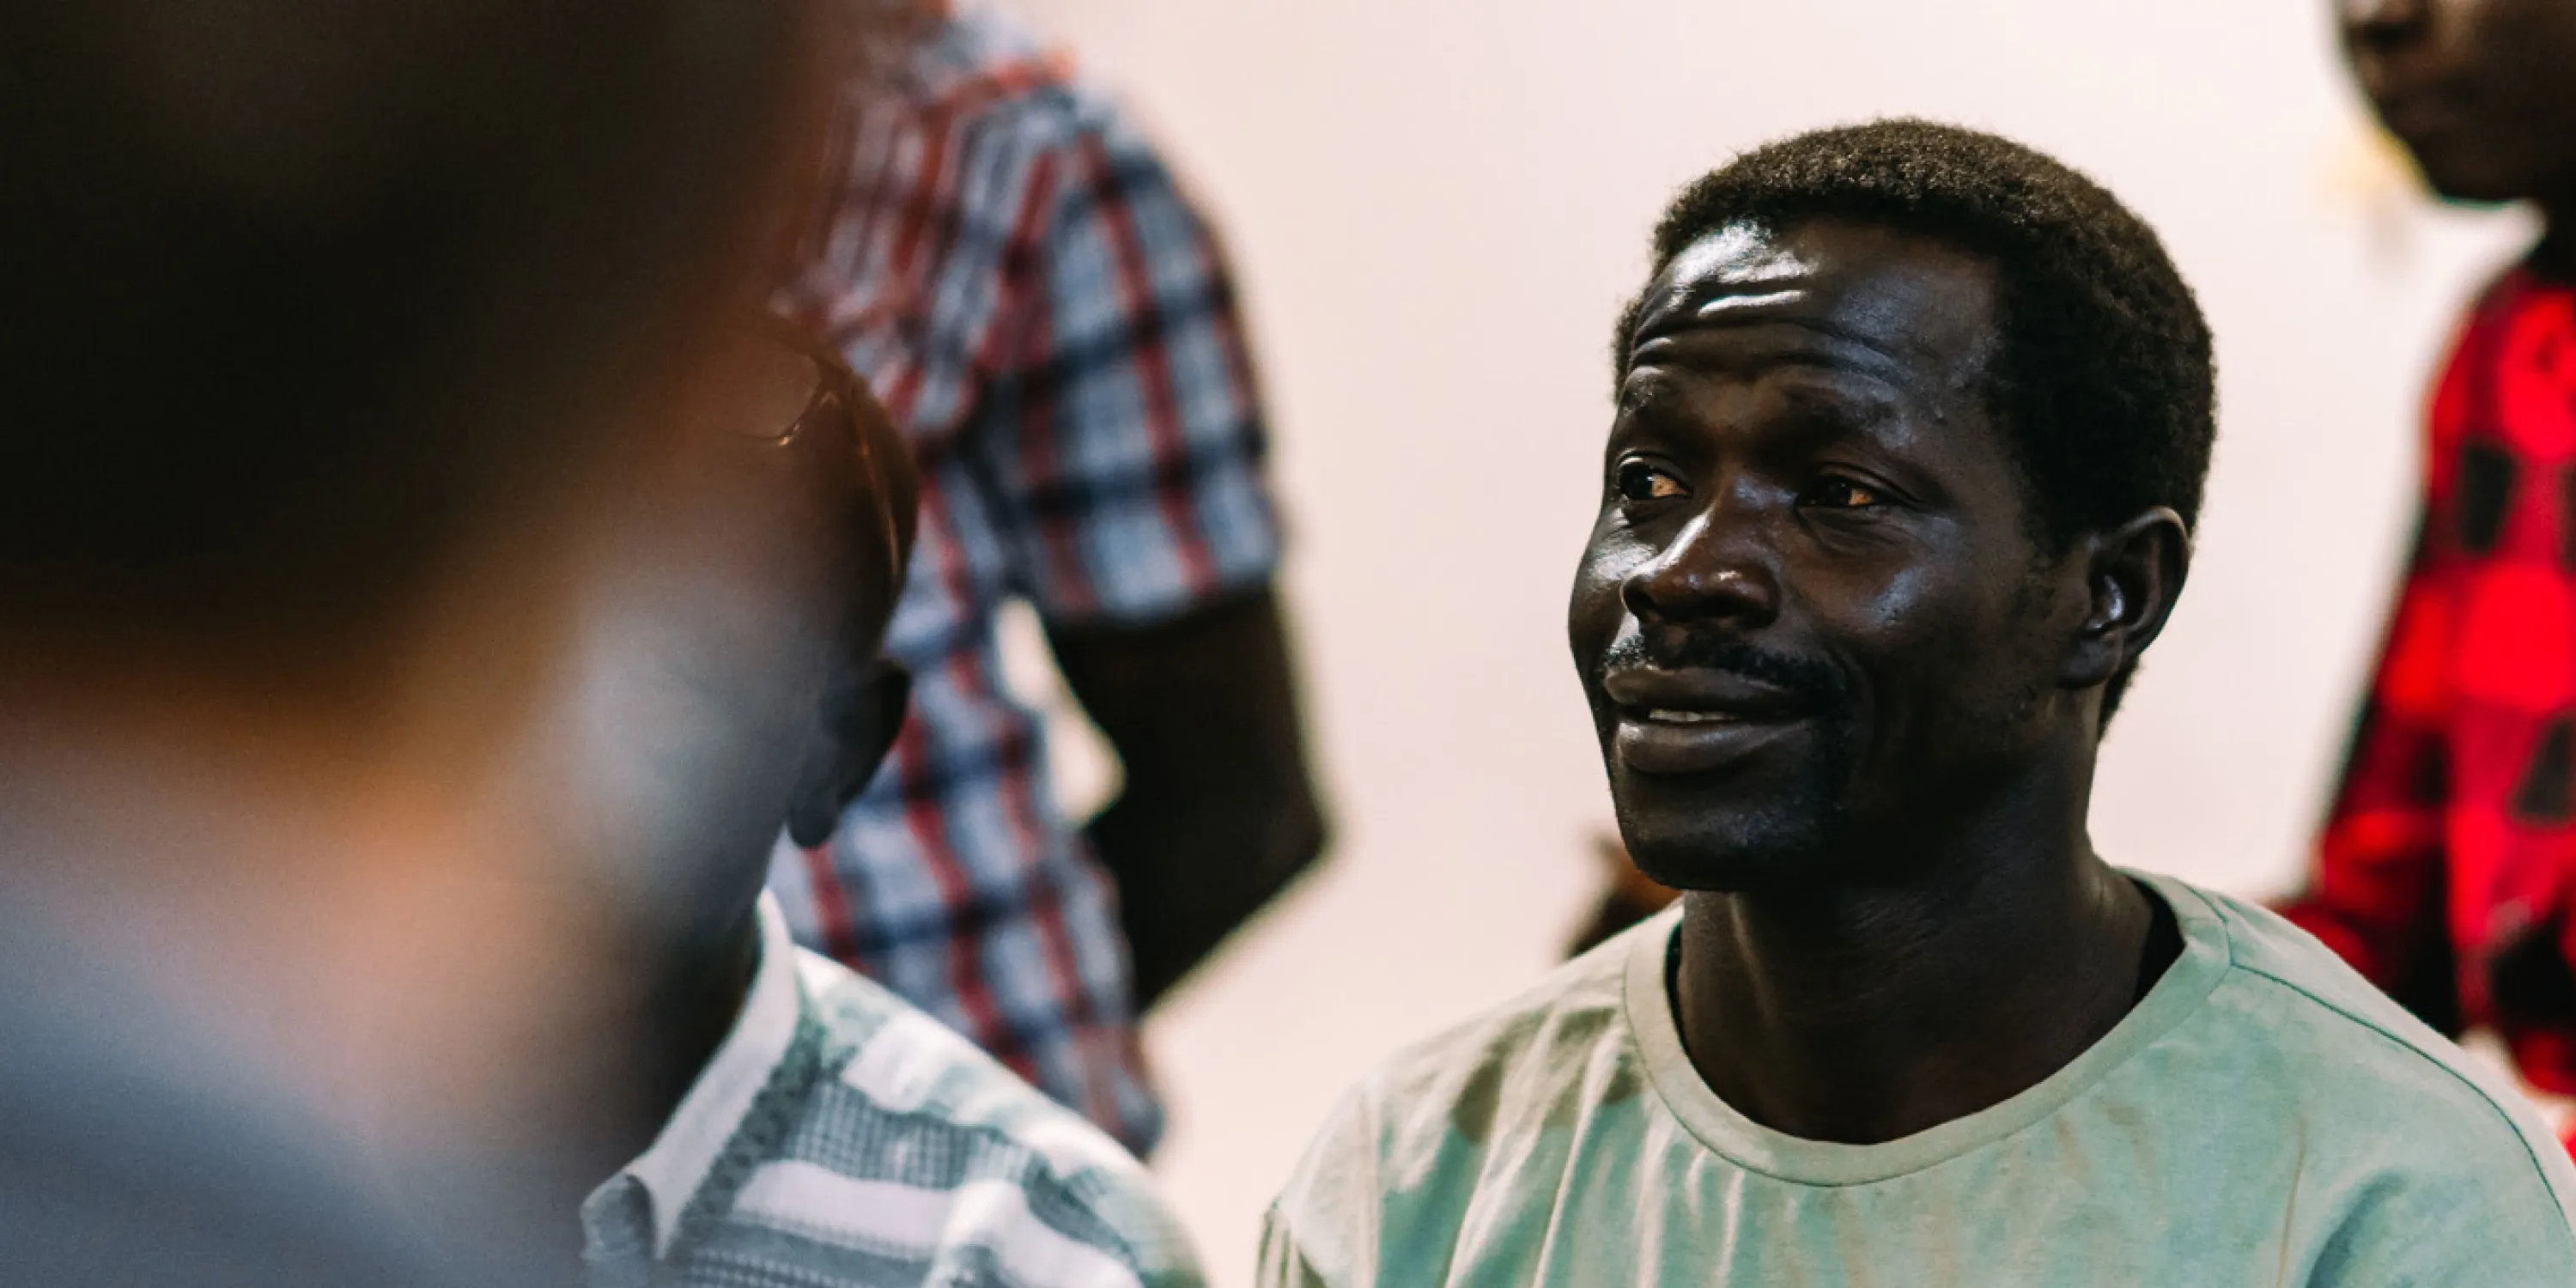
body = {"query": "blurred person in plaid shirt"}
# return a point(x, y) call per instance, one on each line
point(2447, 866)
point(1050, 323)
point(782, 1120)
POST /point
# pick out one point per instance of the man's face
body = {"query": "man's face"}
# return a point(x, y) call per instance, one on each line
point(737, 680)
point(2479, 90)
point(1811, 615)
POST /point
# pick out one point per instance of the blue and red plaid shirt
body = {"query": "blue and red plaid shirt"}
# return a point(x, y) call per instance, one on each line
point(1016, 275)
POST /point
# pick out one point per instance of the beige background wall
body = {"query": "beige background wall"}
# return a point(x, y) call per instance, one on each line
point(1437, 206)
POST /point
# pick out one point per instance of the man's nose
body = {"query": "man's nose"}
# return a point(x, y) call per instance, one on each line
point(1719, 565)
point(2380, 21)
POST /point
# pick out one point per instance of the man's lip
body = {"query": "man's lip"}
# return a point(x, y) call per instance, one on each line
point(1692, 695)
point(1657, 745)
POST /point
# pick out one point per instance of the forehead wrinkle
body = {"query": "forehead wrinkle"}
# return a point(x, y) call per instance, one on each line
point(1732, 303)
point(1750, 251)
point(1740, 261)
point(1742, 275)
point(1849, 352)
point(1717, 301)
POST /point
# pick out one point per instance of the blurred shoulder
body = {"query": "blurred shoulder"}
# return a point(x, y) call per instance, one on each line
point(907, 1105)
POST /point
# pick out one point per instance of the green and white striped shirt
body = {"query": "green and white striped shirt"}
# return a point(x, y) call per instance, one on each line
point(840, 1137)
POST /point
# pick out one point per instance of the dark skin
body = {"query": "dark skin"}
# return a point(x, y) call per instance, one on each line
point(705, 972)
point(2478, 91)
point(847, 476)
point(1849, 701)
point(1203, 715)
point(1201, 711)
point(1217, 813)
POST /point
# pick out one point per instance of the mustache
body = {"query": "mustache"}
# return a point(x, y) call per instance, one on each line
point(1809, 681)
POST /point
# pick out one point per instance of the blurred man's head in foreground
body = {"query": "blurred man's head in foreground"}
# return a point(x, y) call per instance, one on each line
point(312, 306)
point(2478, 90)
point(397, 605)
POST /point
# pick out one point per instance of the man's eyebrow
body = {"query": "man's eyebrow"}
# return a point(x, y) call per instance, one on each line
point(1642, 392)
point(1647, 394)
point(1858, 407)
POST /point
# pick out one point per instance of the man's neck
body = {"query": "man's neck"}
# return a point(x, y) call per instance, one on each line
point(1867, 1013)
point(681, 1023)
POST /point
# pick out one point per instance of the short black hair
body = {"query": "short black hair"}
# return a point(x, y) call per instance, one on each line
point(2102, 380)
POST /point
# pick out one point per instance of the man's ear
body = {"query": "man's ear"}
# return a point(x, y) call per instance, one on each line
point(2132, 575)
point(863, 723)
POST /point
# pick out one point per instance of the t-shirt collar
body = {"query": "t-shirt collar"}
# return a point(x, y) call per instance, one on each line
point(2205, 959)
point(677, 1163)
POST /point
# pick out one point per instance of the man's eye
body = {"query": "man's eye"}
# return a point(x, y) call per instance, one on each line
point(1842, 494)
point(1639, 481)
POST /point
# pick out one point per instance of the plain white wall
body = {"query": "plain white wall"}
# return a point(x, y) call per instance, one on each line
point(1436, 207)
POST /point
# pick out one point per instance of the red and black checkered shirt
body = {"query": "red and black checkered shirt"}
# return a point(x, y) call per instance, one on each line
point(2446, 862)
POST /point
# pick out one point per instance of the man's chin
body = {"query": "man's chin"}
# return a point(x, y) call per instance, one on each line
point(2459, 181)
point(1752, 856)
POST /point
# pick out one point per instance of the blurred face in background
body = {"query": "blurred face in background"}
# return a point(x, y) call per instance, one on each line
point(2482, 92)
point(734, 681)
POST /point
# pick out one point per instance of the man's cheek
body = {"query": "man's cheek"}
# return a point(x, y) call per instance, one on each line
point(1594, 611)
point(1611, 560)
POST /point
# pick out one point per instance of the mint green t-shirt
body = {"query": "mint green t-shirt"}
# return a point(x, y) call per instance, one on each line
point(2263, 1117)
